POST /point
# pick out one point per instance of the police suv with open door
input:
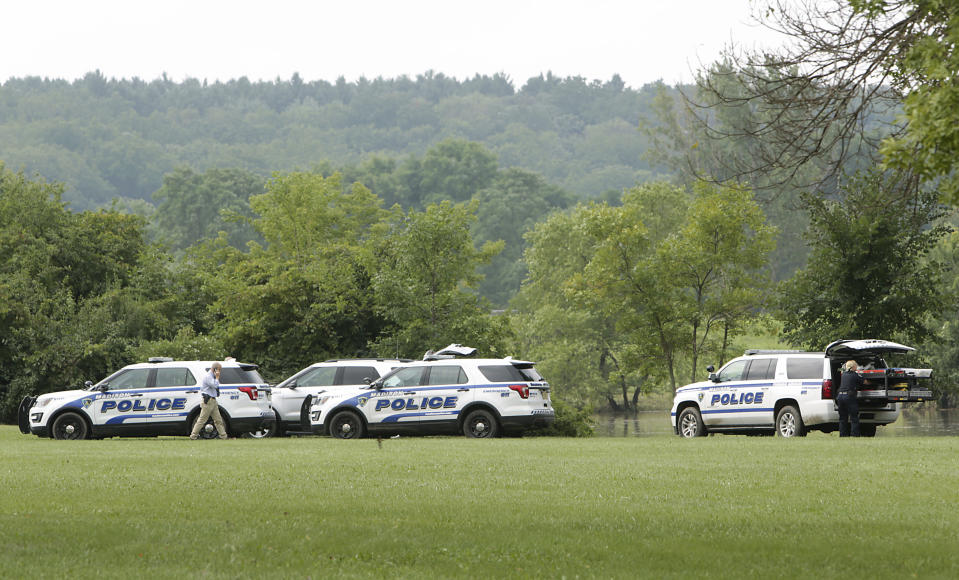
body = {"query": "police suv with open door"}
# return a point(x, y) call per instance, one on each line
point(792, 392)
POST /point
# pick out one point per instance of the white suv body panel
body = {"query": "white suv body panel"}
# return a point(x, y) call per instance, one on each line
point(436, 397)
point(148, 399)
point(750, 402)
point(325, 377)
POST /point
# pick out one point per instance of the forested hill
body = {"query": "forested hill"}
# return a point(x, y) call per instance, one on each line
point(108, 138)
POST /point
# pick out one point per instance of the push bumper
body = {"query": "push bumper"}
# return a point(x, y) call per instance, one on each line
point(23, 414)
point(538, 418)
point(266, 420)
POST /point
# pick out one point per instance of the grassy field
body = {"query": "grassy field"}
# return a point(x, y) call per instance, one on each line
point(656, 507)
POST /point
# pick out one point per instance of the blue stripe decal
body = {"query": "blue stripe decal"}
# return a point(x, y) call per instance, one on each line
point(717, 411)
point(725, 386)
point(121, 419)
point(396, 418)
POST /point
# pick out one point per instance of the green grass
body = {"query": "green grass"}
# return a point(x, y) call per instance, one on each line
point(656, 507)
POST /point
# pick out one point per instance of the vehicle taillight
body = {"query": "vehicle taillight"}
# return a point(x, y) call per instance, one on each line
point(250, 392)
point(523, 390)
point(827, 389)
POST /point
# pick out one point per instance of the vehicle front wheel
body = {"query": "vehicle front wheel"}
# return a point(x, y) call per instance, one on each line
point(480, 424)
point(346, 425)
point(70, 426)
point(789, 423)
point(690, 423)
point(264, 432)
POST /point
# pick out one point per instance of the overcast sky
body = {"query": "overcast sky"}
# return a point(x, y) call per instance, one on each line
point(641, 40)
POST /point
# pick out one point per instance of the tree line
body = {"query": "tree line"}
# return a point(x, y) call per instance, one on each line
point(107, 138)
point(804, 204)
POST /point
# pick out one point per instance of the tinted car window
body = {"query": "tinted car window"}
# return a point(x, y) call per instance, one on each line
point(447, 375)
point(733, 371)
point(761, 369)
point(317, 377)
point(505, 373)
point(359, 375)
point(131, 379)
point(405, 377)
point(175, 377)
point(804, 368)
point(239, 376)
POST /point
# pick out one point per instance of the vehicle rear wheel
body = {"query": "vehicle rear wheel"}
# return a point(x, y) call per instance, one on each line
point(70, 426)
point(264, 432)
point(480, 424)
point(789, 423)
point(346, 425)
point(690, 423)
point(867, 429)
point(208, 431)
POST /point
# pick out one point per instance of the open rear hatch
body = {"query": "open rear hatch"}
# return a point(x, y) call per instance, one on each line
point(890, 384)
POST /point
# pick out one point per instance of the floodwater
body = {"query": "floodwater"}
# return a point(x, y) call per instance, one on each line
point(912, 423)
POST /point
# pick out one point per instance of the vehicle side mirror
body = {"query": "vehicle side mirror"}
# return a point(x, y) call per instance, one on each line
point(291, 385)
point(377, 384)
point(104, 387)
point(714, 377)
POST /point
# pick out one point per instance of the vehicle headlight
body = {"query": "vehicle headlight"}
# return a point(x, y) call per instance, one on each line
point(319, 402)
point(42, 403)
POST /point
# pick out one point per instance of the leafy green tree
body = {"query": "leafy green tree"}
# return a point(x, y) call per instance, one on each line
point(507, 209)
point(867, 276)
point(578, 349)
point(306, 295)
point(72, 296)
point(942, 348)
point(833, 92)
point(426, 271)
point(194, 206)
point(666, 277)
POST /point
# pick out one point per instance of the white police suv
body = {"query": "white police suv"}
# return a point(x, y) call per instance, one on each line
point(441, 394)
point(293, 397)
point(159, 397)
point(792, 392)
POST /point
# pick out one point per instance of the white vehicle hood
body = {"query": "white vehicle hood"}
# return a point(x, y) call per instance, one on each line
point(62, 397)
point(696, 386)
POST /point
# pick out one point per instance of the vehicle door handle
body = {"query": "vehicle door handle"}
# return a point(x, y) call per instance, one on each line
point(409, 392)
point(136, 394)
point(461, 390)
point(192, 392)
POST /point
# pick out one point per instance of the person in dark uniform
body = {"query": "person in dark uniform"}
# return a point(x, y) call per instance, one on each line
point(847, 400)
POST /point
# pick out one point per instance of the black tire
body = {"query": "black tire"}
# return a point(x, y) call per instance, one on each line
point(264, 432)
point(867, 429)
point(209, 430)
point(689, 424)
point(69, 426)
point(480, 424)
point(789, 423)
point(347, 425)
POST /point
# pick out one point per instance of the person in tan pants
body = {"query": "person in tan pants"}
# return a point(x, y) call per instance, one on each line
point(210, 390)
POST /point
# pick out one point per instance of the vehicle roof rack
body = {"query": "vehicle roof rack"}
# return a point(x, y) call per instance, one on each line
point(451, 351)
point(404, 360)
point(752, 351)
